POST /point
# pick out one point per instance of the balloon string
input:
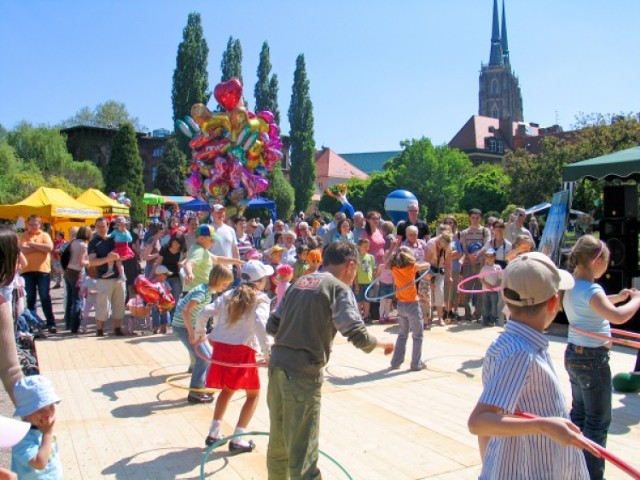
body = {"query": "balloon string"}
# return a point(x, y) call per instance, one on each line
point(617, 461)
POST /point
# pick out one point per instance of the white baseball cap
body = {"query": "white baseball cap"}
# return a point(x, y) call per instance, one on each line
point(532, 278)
point(255, 270)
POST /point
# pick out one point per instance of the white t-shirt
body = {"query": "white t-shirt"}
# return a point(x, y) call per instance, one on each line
point(223, 246)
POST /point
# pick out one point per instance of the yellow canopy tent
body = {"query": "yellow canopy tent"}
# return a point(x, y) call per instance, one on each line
point(110, 208)
point(55, 206)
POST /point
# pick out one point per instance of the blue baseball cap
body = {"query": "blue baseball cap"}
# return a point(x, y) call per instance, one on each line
point(33, 393)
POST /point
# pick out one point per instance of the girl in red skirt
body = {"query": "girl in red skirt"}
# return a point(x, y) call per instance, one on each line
point(240, 319)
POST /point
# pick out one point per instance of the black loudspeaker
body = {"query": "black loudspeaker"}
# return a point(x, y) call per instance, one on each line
point(620, 201)
point(621, 236)
point(613, 281)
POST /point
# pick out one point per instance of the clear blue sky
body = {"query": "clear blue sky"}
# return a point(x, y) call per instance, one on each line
point(379, 71)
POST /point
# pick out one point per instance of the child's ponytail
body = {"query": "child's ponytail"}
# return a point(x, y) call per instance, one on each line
point(587, 250)
point(241, 300)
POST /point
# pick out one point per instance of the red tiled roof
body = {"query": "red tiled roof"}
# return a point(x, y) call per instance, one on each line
point(472, 135)
point(331, 165)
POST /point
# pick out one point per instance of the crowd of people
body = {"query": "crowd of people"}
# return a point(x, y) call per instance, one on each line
point(281, 291)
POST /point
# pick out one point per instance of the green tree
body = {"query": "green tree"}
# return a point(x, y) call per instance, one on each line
point(272, 106)
point(110, 114)
point(435, 175)
point(190, 77)
point(83, 175)
point(281, 192)
point(231, 64)
point(487, 189)
point(303, 147)
point(536, 177)
point(171, 170)
point(124, 171)
point(266, 89)
point(44, 146)
point(19, 178)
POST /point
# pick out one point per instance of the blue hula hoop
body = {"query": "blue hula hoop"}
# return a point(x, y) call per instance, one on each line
point(389, 295)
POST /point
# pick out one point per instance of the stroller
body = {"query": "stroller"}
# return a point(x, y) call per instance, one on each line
point(141, 312)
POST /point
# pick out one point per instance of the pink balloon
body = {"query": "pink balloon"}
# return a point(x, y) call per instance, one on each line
point(267, 116)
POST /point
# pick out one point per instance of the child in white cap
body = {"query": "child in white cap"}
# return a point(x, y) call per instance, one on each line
point(239, 331)
point(36, 456)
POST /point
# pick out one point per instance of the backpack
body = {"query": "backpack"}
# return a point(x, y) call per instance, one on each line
point(65, 255)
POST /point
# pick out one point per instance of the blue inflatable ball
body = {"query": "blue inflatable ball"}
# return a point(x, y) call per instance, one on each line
point(626, 382)
point(396, 205)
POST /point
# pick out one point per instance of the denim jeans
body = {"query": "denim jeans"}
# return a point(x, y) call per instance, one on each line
point(73, 306)
point(200, 367)
point(41, 282)
point(490, 308)
point(409, 320)
point(590, 377)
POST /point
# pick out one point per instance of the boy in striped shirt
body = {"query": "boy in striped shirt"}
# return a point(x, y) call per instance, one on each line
point(518, 376)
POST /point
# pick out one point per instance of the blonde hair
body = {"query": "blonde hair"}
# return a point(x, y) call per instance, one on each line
point(220, 275)
point(402, 257)
point(387, 227)
point(445, 234)
point(586, 251)
point(242, 299)
point(411, 229)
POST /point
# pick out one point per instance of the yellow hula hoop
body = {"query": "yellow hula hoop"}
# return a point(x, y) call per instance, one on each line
point(171, 381)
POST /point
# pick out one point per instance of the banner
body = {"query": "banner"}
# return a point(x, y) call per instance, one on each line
point(555, 226)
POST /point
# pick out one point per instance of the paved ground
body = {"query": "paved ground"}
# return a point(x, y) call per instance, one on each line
point(120, 419)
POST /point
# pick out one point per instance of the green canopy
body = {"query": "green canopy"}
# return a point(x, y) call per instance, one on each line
point(622, 164)
point(153, 199)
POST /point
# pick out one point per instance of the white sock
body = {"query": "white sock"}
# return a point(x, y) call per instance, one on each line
point(240, 441)
point(214, 430)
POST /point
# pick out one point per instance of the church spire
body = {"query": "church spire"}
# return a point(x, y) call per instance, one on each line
point(503, 37)
point(496, 49)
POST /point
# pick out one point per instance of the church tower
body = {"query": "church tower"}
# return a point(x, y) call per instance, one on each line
point(499, 95)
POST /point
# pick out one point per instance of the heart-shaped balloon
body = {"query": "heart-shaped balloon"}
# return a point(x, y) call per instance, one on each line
point(228, 94)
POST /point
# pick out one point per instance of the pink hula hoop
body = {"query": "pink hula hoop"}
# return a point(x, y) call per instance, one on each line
point(478, 276)
point(197, 349)
point(619, 341)
point(617, 461)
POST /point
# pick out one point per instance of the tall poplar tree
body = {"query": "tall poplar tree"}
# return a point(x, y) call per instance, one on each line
point(273, 98)
point(124, 170)
point(170, 175)
point(303, 146)
point(190, 78)
point(231, 64)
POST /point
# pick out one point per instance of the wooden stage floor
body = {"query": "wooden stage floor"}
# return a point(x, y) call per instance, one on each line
point(119, 419)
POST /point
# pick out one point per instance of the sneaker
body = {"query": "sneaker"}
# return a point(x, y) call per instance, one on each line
point(199, 398)
point(422, 366)
point(82, 330)
point(52, 329)
point(235, 448)
point(122, 279)
point(108, 273)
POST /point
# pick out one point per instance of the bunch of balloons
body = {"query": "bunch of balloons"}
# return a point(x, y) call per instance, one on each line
point(154, 293)
point(120, 197)
point(232, 150)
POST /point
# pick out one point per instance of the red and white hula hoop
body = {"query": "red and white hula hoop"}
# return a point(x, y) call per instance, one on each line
point(206, 356)
point(610, 457)
point(614, 331)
